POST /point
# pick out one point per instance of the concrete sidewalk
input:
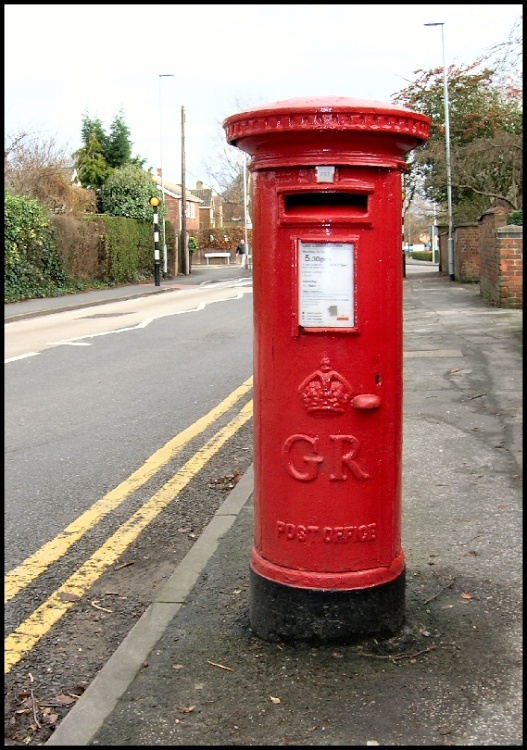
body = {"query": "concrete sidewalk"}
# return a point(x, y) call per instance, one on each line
point(200, 275)
point(192, 673)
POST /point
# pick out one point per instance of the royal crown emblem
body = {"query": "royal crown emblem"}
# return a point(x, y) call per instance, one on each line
point(325, 390)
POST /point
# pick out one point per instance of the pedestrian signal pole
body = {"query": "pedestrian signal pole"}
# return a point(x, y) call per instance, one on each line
point(154, 202)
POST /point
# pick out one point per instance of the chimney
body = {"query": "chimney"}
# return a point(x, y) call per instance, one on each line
point(199, 185)
point(159, 172)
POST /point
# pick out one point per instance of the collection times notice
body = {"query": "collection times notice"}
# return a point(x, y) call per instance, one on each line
point(326, 284)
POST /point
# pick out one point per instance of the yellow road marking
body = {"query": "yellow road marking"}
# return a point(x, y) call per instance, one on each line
point(40, 622)
point(49, 553)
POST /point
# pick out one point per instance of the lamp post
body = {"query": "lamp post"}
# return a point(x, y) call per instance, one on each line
point(451, 270)
point(245, 213)
point(184, 243)
point(165, 259)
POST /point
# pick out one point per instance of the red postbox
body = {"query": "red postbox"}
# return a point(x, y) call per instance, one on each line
point(327, 560)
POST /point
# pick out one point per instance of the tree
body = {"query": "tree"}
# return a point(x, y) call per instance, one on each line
point(225, 170)
point(485, 133)
point(93, 129)
point(92, 167)
point(100, 152)
point(37, 168)
point(507, 58)
point(127, 192)
point(118, 149)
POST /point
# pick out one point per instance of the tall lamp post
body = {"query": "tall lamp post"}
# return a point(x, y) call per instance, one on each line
point(245, 217)
point(165, 256)
point(451, 271)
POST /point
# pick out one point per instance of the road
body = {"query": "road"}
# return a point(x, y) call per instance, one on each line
point(125, 425)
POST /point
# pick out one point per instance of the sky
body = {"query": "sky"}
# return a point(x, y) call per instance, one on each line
point(155, 63)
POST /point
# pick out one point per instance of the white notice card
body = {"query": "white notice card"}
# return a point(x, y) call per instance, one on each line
point(326, 284)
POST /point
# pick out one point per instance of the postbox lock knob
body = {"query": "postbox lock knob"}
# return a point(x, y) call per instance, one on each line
point(366, 401)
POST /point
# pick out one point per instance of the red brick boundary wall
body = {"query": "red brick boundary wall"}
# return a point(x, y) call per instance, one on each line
point(466, 253)
point(501, 260)
point(501, 278)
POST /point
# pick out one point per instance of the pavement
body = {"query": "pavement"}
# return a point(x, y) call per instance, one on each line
point(191, 672)
point(200, 275)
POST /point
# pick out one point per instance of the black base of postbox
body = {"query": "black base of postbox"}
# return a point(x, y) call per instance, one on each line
point(278, 612)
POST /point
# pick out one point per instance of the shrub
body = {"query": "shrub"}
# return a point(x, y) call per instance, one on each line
point(33, 266)
point(515, 217)
point(127, 192)
point(421, 255)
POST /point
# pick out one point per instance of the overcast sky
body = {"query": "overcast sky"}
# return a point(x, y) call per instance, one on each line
point(64, 60)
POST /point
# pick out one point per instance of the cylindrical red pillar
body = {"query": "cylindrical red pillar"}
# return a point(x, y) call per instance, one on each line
point(327, 560)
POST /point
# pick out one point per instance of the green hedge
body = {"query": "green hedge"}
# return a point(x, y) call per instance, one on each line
point(129, 249)
point(33, 265)
point(98, 250)
point(421, 255)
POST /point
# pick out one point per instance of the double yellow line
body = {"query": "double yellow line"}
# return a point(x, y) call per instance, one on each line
point(27, 635)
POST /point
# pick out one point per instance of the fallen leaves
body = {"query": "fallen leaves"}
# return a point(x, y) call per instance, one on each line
point(66, 700)
point(275, 700)
point(226, 482)
point(33, 716)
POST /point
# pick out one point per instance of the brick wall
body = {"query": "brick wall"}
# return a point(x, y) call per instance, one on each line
point(489, 254)
point(509, 242)
point(501, 260)
point(466, 253)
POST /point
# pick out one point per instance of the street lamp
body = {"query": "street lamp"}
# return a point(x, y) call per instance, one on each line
point(245, 217)
point(451, 270)
point(165, 259)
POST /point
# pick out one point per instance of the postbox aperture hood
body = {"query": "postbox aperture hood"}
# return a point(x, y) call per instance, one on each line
point(324, 130)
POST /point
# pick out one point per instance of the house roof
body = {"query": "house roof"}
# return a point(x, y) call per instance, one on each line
point(206, 195)
point(174, 189)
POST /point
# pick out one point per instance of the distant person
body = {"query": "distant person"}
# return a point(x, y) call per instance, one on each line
point(241, 250)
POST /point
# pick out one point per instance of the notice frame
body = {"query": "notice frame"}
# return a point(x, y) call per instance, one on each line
point(326, 285)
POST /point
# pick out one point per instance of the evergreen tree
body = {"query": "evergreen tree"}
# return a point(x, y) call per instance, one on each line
point(93, 129)
point(118, 149)
point(101, 155)
point(91, 165)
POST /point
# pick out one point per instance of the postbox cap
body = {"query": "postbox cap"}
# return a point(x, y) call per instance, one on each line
point(301, 127)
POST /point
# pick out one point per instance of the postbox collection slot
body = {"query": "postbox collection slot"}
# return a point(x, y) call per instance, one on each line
point(296, 204)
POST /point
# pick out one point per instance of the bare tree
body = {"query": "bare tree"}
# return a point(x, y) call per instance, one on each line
point(507, 57)
point(38, 168)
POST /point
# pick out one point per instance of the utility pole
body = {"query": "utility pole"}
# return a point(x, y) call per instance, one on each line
point(184, 244)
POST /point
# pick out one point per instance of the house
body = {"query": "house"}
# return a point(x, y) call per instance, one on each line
point(173, 192)
point(211, 210)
